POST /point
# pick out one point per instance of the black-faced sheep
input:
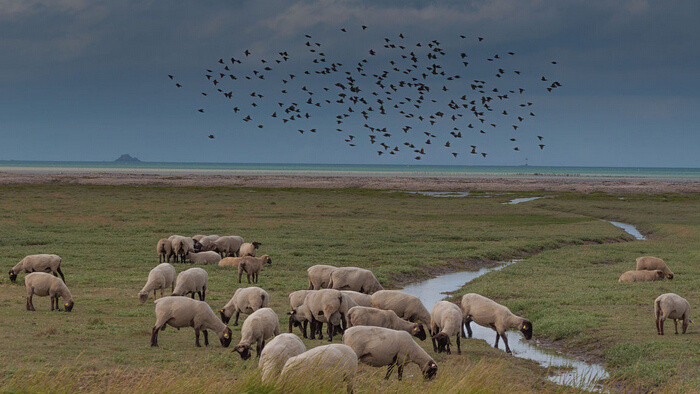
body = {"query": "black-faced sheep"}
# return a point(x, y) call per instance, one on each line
point(38, 263)
point(191, 281)
point(320, 276)
point(245, 300)
point(489, 313)
point(356, 279)
point(653, 263)
point(228, 245)
point(276, 353)
point(641, 276)
point(160, 277)
point(368, 316)
point(203, 257)
point(445, 321)
point(182, 312)
point(406, 306)
point(42, 285)
point(258, 327)
point(164, 248)
point(671, 306)
point(249, 249)
point(332, 362)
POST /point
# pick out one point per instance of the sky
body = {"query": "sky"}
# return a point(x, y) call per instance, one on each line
point(85, 80)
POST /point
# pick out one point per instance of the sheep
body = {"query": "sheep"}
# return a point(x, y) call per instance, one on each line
point(252, 267)
point(406, 306)
point(353, 278)
point(445, 320)
point(181, 246)
point(360, 299)
point(368, 316)
point(198, 237)
point(249, 249)
point(204, 257)
point(245, 300)
point(653, 263)
point(277, 352)
point(328, 306)
point(296, 298)
point(489, 313)
point(379, 346)
point(164, 249)
point(671, 306)
point(300, 316)
point(228, 245)
point(259, 326)
point(160, 277)
point(207, 242)
point(193, 280)
point(319, 276)
point(181, 312)
point(334, 361)
point(230, 261)
point(43, 284)
point(38, 263)
point(641, 276)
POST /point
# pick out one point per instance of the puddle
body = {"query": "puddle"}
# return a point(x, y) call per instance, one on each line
point(439, 194)
point(519, 200)
point(629, 229)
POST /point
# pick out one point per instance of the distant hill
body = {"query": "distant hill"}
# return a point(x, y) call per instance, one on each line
point(127, 159)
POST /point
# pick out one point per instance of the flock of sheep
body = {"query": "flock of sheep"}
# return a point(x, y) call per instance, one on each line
point(377, 325)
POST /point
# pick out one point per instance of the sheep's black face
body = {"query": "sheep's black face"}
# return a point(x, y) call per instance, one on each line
point(268, 260)
point(69, 305)
point(243, 350)
point(526, 329)
point(419, 332)
point(226, 338)
point(13, 276)
point(443, 342)
point(256, 244)
point(430, 370)
point(197, 246)
point(224, 318)
point(669, 276)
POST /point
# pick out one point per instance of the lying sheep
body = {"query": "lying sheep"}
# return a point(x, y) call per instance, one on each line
point(327, 306)
point(249, 249)
point(360, 299)
point(406, 306)
point(280, 349)
point(653, 263)
point(203, 257)
point(245, 300)
point(160, 277)
point(332, 362)
point(379, 346)
point(43, 284)
point(353, 278)
point(259, 326)
point(228, 245)
point(164, 249)
point(368, 316)
point(230, 262)
point(38, 263)
point(181, 246)
point(320, 276)
point(193, 280)
point(641, 276)
point(446, 320)
point(208, 242)
point(181, 312)
point(671, 306)
point(252, 267)
point(488, 313)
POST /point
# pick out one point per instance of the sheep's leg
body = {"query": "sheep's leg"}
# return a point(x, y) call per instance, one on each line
point(435, 349)
point(53, 298)
point(468, 324)
point(192, 295)
point(199, 294)
point(399, 371)
point(259, 347)
point(238, 314)
point(344, 322)
point(675, 325)
point(63, 278)
point(505, 342)
point(160, 258)
point(154, 335)
point(154, 294)
point(161, 292)
point(389, 370)
point(498, 336)
point(206, 338)
point(54, 273)
point(248, 277)
point(240, 273)
point(331, 331)
point(196, 337)
point(30, 304)
point(661, 326)
point(459, 346)
point(204, 293)
point(312, 333)
point(304, 324)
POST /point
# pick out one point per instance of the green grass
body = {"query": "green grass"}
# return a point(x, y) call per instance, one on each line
point(567, 287)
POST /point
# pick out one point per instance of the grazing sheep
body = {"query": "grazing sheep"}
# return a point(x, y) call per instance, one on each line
point(252, 267)
point(445, 320)
point(328, 306)
point(160, 277)
point(333, 362)
point(489, 313)
point(320, 276)
point(228, 245)
point(368, 316)
point(204, 257)
point(406, 306)
point(297, 298)
point(249, 249)
point(259, 326)
point(653, 263)
point(43, 284)
point(671, 306)
point(164, 248)
point(641, 276)
point(193, 280)
point(353, 278)
point(181, 246)
point(181, 312)
point(38, 263)
point(280, 349)
point(245, 300)
point(379, 346)
point(300, 316)
point(198, 237)
point(360, 299)
point(207, 242)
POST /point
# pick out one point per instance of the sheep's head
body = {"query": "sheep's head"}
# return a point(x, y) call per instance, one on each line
point(418, 332)
point(430, 370)
point(669, 275)
point(69, 305)
point(443, 342)
point(13, 276)
point(226, 337)
point(143, 296)
point(267, 259)
point(256, 244)
point(224, 318)
point(526, 329)
point(197, 246)
point(243, 350)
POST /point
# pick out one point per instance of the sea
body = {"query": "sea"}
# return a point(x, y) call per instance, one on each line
point(680, 174)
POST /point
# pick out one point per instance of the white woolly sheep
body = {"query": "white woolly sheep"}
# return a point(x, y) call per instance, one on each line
point(230, 262)
point(38, 263)
point(228, 245)
point(360, 299)
point(193, 280)
point(488, 313)
point(160, 277)
point(252, 267)
point(368, 316)
point(301, 320)
point(204, 257)
point(164, 249)
point(333, 362)
point(249, 249)
point(653, 263)
point(181, 246)
point(182, 312)
point(208, 242)
point(406, 306)
point(280, 349)
point(328, 306)
point(671, 306)
point(198, 237)
point(42, 285)
point(353, 278)
point(446, 320)
point(245, 300)
point(320, 276)
point(258, 327)
point(379, 346)
point(641, 276)
point(301, 316)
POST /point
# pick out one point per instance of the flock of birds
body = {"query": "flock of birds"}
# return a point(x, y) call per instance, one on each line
point(409, 101)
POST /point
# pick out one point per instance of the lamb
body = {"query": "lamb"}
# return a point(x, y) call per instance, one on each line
point(360, 299)
point(406, 306)
point(327, 306)
point(333, 362)
point(252, 267)
point(488, 313)
point(367, 316)
point(181, 246)
point(259, 326)
point(160, 277)
point(671, 306)
point(38, 263)
point(204, 257)
point(164, 249)
point(277, 352)
point(181, 312)
point(320, 276)
point(379, 346)
point(641, 276)
point(653, 263)
point(208, 242)
point(245, 300)
point(228, 245)
point(43, 284)
point(249, 249)
point(446, 320)
point(353, 278)
point(193, 280)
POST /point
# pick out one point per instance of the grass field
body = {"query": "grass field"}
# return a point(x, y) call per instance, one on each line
point(567, 286)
